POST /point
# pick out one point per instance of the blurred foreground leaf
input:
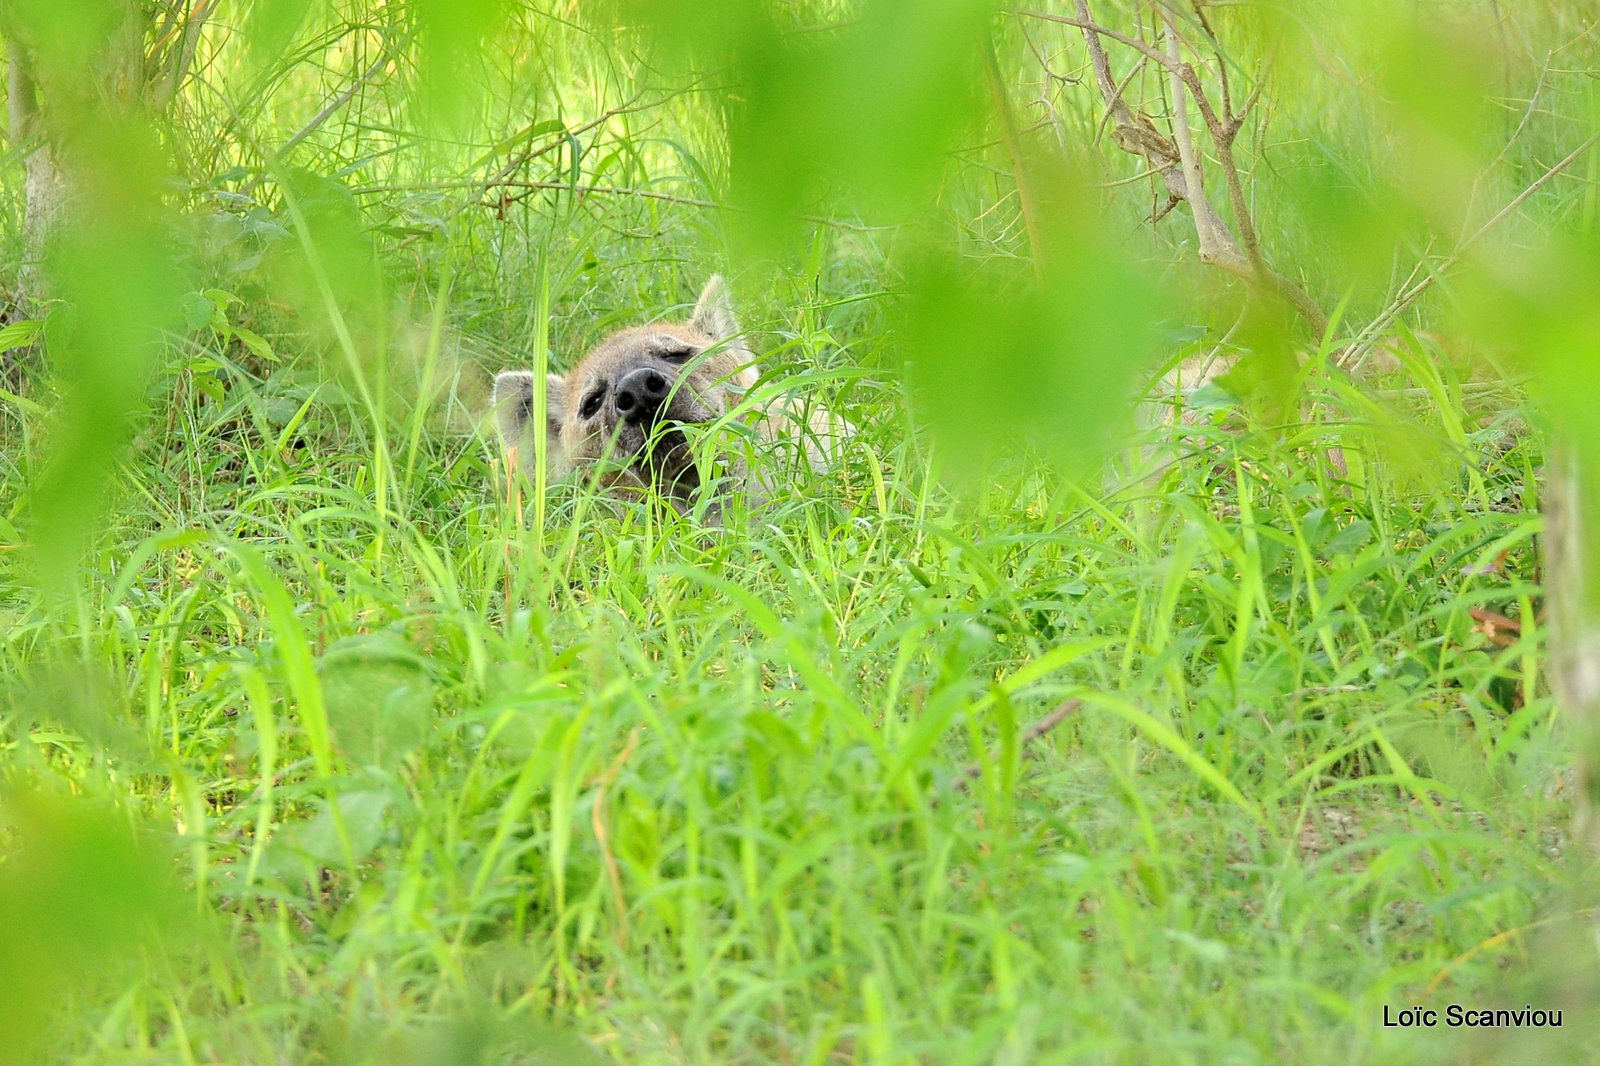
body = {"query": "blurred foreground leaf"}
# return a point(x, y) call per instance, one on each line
point(109, 255)
point(78, 892)
point(379, 696)
point(1003, 357)
point(857, 107)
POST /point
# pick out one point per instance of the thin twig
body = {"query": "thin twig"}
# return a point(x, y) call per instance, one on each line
point(1027, 197)
point(333, 106)
point(1356, 354)
point(1516, 134)
point(1088, 25)
point(972, 771)
point(1222, 64)
point(1236, 122)
point(602, 190)
point(1122, 88)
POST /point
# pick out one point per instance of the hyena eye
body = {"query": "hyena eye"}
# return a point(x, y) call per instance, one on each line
point(675, 353)
point(591, 403)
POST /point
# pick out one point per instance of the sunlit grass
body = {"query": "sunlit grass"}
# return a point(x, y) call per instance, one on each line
point(697, 798)
point(410, 776)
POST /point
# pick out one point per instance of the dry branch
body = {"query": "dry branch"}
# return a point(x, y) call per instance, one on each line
point(1216, 244)
point(1177, 161)
point(181, 44)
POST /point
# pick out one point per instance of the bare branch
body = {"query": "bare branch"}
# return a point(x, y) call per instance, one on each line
point(1182, 76)
point(181, 58)
point(1236, 121)
point(1177, 162)
point(1216, 244)
point(1134, 133)
point(334, 105)
point(1222, 64)
point(1185, 83)
point(1089, 25)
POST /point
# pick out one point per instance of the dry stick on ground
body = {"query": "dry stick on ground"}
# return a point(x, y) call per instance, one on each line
point(974, 770)
point(1177, 162)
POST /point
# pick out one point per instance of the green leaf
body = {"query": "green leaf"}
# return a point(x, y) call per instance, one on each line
point(379, 695)
point(20, 334)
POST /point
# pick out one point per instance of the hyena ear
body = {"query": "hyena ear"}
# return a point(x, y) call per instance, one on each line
point(714, 317)
point(713, 313)
point(513, 414)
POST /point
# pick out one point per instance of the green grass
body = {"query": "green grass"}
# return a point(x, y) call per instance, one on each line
point(412, 777)
point(695, 795)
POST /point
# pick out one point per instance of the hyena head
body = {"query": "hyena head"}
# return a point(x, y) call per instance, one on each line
point(624, 404)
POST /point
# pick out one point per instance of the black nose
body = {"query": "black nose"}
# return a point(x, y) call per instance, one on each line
point(641, 393)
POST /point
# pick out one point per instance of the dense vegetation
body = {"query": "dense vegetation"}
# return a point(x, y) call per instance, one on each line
point(1044, 728)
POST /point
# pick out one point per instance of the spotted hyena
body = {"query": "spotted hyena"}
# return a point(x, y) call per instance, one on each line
point(622, 412)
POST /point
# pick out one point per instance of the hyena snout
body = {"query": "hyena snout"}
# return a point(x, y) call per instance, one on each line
point(641, 395)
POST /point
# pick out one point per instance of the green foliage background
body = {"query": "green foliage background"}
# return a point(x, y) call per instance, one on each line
point(317, 749)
